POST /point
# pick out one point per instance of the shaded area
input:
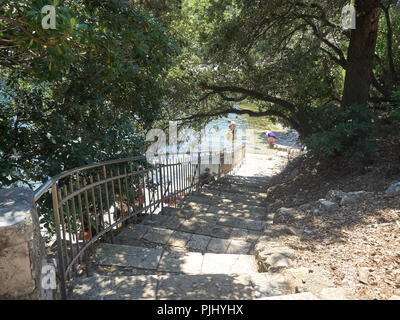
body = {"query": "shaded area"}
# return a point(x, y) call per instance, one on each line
point(353, 241)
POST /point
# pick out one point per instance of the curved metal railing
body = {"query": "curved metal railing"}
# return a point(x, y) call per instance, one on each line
point(95, 201)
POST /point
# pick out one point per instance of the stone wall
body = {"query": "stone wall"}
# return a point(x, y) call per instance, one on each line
point(21, 245)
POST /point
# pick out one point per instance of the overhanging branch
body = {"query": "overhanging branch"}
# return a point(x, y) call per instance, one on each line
point(249, 93)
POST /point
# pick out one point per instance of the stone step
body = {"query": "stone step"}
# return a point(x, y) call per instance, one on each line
point(244, 212)
point(216, 190)
point(244, 179)
point(238, 190)
point(235, 218)
point(178, 287)
point(201, 204)
point(162, 261)
point(187, 235)
point(249, 186)
point(227, 198)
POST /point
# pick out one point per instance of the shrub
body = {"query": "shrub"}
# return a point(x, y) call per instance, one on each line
point(349, 133)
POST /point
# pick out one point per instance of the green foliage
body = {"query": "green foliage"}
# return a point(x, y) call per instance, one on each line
point(81, 93)
point(392, 116)
point(350, 133)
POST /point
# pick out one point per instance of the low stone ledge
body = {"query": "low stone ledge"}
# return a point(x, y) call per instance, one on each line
point(21, 245)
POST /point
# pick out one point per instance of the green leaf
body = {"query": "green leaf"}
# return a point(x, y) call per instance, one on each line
point(82, 26)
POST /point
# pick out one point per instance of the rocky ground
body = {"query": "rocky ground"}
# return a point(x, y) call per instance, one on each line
point(342, 225)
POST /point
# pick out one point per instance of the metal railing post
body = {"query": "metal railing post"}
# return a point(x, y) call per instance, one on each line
point(161, 185)
point(61, 263)
point(198, 174)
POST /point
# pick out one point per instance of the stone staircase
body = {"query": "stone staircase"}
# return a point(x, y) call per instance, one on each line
point(202, 249)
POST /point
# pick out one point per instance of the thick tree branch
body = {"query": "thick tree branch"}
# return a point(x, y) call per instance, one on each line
point(250, 93)
point(251, 113)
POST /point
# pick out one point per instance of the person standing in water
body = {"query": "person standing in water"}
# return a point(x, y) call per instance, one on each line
point(232, 126)
point(271, 138)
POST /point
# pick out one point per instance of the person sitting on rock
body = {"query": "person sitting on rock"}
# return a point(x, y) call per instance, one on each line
point(206, 177)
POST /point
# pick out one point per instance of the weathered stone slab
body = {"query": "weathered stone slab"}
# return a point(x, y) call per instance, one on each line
point(179, 239)
point(238, 233)
point(164, 221)
point(178, 212)
point(192, 225)
point(208, 217)
point(132, 234)
point(198, 243)
point(158, 235)
point(229, 221)
point(217, 245)
point(114, 288)
point(205, 287)
point(182, 262)
point(216, 231)
point(238, 246)
point(268, 285)
point(195, 207)
point(256, 225)
point(214, 263)
point(203, 199)
point(128, 256)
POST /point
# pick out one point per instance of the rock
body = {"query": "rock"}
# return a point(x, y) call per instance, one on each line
point(352, 197)
point(290, 231)
point(363, 275)
point(272, 259)
point(283, 215)
point(335, 195)
point(309, 280)
point(306, 206)
point(326, 203)
point(344, 198)
point(393, 189)
point(347, 200)
point(316, 211)
point(350, 277)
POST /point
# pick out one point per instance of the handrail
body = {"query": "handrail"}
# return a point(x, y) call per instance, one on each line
point(84, 199)
point(47, 185)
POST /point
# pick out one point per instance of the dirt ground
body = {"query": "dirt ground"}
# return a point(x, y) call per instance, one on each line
point(357, 243)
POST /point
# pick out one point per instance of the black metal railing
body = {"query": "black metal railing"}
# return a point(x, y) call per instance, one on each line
point(95, 201)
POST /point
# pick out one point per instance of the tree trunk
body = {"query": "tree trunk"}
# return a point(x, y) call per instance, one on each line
point(361, 53)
